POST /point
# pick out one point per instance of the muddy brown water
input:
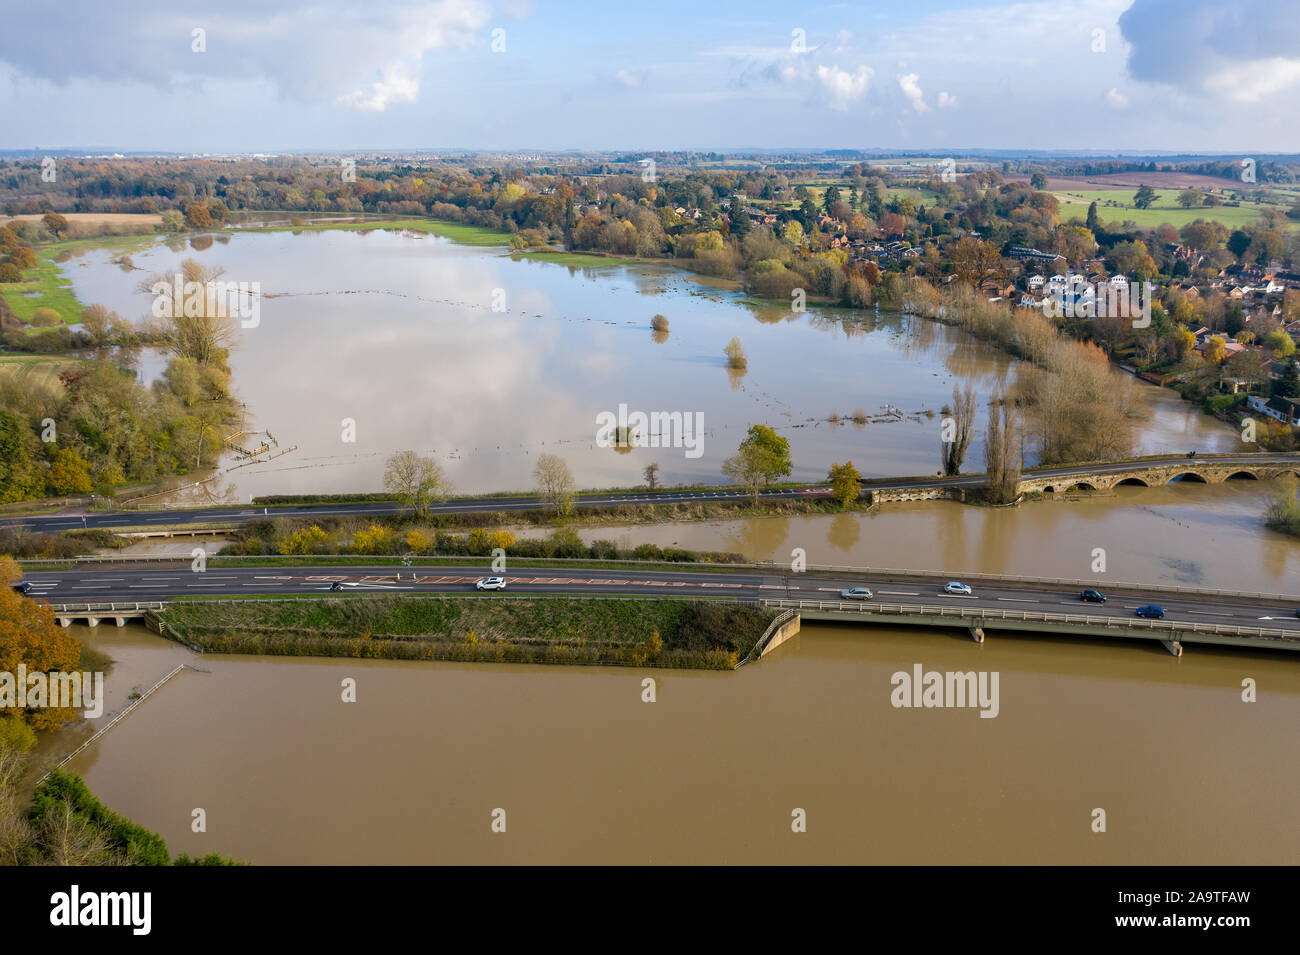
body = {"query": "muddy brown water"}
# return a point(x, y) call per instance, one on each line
point(712, 771)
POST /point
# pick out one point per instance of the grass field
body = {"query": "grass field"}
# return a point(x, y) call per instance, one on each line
point(456, 231)
point(48, 286)
point(35, 370)
point(1116, 205)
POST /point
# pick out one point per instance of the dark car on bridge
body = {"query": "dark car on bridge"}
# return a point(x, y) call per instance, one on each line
point(24, 587)
point(1151, 612)
point(1093, 596)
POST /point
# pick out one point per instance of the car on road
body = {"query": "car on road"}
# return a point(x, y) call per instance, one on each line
point(1093, 596)
point(957, 588)
point(23, 586)
point(1151, 612)
point(491, 583)
point(857, 593)
point(337, 585)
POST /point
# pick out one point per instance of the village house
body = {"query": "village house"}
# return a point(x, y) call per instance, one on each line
point(1286, 410)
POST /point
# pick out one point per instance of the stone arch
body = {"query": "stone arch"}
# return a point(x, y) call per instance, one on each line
point(1081, 486)
point(1242, 476)
point(1193, 476)
point(1135, 481)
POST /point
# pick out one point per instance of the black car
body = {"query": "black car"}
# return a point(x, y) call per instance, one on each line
point(24, 587)
point(336, 586)
point(1093, 596)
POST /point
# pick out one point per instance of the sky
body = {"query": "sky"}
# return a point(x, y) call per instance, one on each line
point(240, 76)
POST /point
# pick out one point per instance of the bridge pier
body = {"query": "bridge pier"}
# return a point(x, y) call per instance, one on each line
point(977, 634)
point(92, 621)
point(121, 621)
point(65, 622)
point(1174, 647)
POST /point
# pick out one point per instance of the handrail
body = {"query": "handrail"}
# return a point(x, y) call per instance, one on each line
point(107, 608)
point(1089, 620)
point(756, 650)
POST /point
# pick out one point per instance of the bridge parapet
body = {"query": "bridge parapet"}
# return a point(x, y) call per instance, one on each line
point(1207, 471)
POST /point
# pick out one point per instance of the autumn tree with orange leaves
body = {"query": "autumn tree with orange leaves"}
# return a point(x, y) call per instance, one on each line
point(30, 635)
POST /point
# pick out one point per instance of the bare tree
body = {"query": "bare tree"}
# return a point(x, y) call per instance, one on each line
point(197, 325)
point(554, 482)
point(958, 423)
point(651, 475)
point(415, 480)
point(1002, 455)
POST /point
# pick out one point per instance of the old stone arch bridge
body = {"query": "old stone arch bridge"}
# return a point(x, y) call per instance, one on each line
point(1208, 470)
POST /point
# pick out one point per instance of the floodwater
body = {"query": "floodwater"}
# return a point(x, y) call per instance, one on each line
point(371, 343)
point(1183, 534)
point(712, 771)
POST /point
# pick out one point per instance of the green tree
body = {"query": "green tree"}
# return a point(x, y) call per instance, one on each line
point(763, 457)
point(1288, 386)
point(305, 540)
point(845, 482)
point(69, 473)
point(1144, 197)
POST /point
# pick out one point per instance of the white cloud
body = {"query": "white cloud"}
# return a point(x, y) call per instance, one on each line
point(842, 86)
point(630, 78)
point(1115, 98)
point(908, 83)
point(368, 57)
point(947, 100)
point(1252, 82)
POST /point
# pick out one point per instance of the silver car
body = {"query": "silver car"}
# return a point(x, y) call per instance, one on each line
point(491, 583)
point(857, 593)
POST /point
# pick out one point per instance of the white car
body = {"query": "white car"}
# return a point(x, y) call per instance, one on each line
point(856, 593)
point(958, 589)
point(491, 583)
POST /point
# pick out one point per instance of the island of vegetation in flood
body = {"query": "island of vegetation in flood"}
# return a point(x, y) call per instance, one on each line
point(660, 633)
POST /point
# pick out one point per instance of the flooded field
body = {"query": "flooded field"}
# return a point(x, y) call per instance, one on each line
point(712, 771)
point(378, 336)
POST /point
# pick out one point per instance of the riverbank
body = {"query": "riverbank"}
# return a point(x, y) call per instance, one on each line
point(658, 633)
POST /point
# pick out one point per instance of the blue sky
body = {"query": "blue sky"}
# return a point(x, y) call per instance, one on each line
point(1193, 75)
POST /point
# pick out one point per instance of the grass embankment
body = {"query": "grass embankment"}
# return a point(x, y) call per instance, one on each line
point(499, 629)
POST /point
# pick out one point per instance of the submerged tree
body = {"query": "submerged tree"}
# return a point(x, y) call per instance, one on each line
point(1002, 450)
point(955, 432)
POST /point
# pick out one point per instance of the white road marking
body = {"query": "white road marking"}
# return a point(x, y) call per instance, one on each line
point(1021, 600)
point(900, 593)
point(1210, 613)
